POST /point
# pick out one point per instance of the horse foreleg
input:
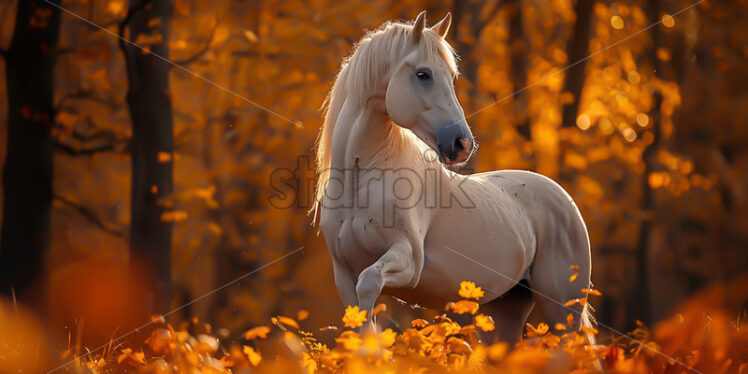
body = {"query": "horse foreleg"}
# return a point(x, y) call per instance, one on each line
point(345, 283)
point(394, 269)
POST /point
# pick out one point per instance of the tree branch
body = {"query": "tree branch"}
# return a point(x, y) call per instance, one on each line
point(87, 213)
point(87, 95)
point(123, 24)
point(202, 50)
point(72, 151)
point(250, 53)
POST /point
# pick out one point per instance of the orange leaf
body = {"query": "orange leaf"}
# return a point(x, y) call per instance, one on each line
point(378, 309)
point(288, 321)
point(590, 291)
point(257, 332)
point(576, 301)
point(573, 277)
point(302, 315)
point(254, 356)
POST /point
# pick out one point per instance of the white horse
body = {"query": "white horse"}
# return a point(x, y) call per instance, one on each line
point(397, 221)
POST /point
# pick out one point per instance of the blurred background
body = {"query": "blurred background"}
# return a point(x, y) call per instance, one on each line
point(132, 186)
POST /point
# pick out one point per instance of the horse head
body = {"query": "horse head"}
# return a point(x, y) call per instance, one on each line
point(421, 95)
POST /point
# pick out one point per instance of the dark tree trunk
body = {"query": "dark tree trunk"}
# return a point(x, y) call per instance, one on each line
point(641, 294)
point(149, 101)
point(27, 173)
point(518, 48)
point(576, 53)
point(470, 9)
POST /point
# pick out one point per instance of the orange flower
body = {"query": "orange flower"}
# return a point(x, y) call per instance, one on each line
point(387, 338)
point(353, 317)
point(131, 358)
point(573, 277)
point(542, 329)
point(420, 323)
point(462, 307)
point(484, 322)
point(349, 340)
point(468, 290)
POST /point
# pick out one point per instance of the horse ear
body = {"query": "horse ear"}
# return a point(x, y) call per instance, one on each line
point(442, 26)
point(418, 26)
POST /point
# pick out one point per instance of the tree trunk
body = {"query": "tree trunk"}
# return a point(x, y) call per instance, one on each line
point(576, 53)
point(642, 294)
point(27, 173)
point(149, 101)
point(518, 48)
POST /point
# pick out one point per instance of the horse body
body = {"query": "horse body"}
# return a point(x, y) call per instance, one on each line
point(397, 221)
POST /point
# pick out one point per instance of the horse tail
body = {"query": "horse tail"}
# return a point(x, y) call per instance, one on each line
point(588, 320)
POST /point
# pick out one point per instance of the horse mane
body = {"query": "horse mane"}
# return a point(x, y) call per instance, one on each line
point(361, 74)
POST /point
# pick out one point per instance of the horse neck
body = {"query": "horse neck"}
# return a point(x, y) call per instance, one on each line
point(365, 137)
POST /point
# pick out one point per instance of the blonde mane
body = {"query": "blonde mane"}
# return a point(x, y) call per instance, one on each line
point(362, 73)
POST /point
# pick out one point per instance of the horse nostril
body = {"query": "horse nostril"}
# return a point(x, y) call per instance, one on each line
point(458, 144)
point(461, 144)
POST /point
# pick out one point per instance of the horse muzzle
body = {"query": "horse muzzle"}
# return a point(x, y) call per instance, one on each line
point(455, 143)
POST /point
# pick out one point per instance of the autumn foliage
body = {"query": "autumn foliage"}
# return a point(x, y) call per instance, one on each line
point(701, 338)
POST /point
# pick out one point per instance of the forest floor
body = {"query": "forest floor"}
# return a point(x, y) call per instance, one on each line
point(702, 337)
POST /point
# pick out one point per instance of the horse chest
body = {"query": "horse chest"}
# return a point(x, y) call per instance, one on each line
point(359, 241)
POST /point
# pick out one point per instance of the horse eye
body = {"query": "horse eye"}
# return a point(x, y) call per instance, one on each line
point(422, 75)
